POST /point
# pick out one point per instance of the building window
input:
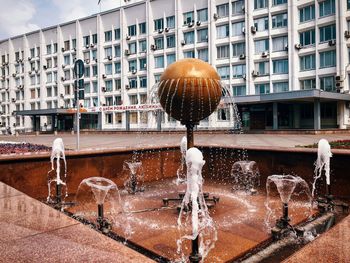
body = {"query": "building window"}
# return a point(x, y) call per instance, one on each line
point(279, 2)
point(86, 40)
point(109, 118)
point(261, 46)
point(94, 70)
point(280, 43)
point(94, 38)
point(32, 53)
point(133, 99)
point(142, 46)
point(159, 62)
point(48, 50)
point(109, 85)
point(159, 42)
point(49, 92)
point(118, 100)
point(117, 68)
point(108, 69)
point(202, 15)
point(189, 37)
point(280, 66)
point(239, 90)
point(262, 88)
point(170, 41)
point(222, 10)
point(222, 31)
point(308, 62)
point(327, 33)
point(142, 28)
point(87, 72)
point(202, 35)
point(132, 65)
point(280, 87)
point(117, 51)
point(307, 37)
point(238, 28)
point(189, 54)
point(132, 47)
point(117, 34)
point(132, 30)
point(170, 21)
point(224, 72)
point(328, 59)
point(308, 84)
point(143, 98)
point(263, 68)
point(108, 36)
point(203, 54)
point(109, 101)
point(188, 17)
point(327, 8)
point(158, 24)
point(238, 71)
point(66, 60)
point(307, 13)
point(87, 88)
point(66, 45)
point(108, 52)
point(261, 24)
point(143, 63)
point(280, 20)
point(223, 52)
point(118, 84)
point(260, 4)
point(348, 4)
point(223, 114)
point(327, 83)
point(238, 49)
point(143, 82)
point(238, 7)
point(170, 58)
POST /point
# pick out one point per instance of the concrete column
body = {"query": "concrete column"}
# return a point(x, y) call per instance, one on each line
point(296, 116)
point(317, 114)
point(159, 120)
point(127, 120)
point(275, 115)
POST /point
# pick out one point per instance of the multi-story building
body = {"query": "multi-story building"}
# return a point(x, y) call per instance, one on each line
point(286, 63)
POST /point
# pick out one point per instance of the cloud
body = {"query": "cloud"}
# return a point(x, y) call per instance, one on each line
point(16, 17)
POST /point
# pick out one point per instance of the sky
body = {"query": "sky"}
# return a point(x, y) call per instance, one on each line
point(21, 16)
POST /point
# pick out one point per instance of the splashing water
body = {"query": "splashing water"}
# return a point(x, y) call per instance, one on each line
point(287, 185)
point(95, 191)
point(181, 170)
point(58, 153)
point(200, 225)
point(246, 175)
point(135, 180)
point(322, 163)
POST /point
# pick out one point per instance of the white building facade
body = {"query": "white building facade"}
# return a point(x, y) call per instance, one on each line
point(286, 63)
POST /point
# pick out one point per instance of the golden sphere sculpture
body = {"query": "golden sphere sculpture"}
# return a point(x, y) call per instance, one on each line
point(189, 90)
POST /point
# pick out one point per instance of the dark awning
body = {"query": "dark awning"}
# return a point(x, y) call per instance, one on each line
point(297, 95)
point(47, 112)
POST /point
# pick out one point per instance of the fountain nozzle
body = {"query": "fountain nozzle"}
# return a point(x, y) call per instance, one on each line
point(102, 223)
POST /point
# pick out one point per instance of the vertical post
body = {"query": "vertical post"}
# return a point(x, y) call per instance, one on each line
point(195, 256)
point(275, 115)
point(285, 212)
point(127, 120)
point(100, 211)
point(78, 118)
point(58, 193)
point(317, 114)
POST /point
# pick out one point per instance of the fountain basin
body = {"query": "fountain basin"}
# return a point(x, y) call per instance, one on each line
point(237, 234)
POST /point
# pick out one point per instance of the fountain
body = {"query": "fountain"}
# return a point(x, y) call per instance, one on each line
point(323, 164)
point(103, 193)
point(202, 224)
point(286, 185)
point(136, 176)
point(246, 176)
point(58, 153)
point(189, 91)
